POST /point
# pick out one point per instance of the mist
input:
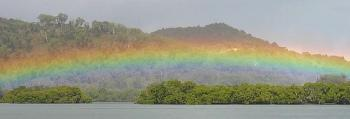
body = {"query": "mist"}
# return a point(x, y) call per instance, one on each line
point(317, 27)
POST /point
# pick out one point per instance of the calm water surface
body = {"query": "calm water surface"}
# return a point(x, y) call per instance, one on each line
point(134, 111)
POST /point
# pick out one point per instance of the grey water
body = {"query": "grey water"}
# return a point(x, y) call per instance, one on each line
point(135, 111)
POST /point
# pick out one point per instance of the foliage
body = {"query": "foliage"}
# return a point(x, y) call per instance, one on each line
point(108, 95)
point(61, 94)
point(329, 78)
point(1, 93)
point(54, 33)
point(177, 92)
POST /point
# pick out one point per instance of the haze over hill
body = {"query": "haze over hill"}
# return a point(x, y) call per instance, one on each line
point(55, 51)
point(317, 27)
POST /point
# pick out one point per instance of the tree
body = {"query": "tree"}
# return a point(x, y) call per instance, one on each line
point(46, 20)
point(61, 18)
point(79, 22)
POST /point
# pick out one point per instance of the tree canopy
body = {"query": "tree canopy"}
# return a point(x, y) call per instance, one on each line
point(177, 92)
point(61, 94)
point(54, 33)
point(331, 78)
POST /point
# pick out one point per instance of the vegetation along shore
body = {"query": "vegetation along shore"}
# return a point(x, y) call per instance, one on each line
point(177, 92)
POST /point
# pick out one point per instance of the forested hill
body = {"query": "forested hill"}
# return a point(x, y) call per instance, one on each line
point(101, 54)
point(216, 32)
point(56, 33)
point(219, 34)
point(211, 31)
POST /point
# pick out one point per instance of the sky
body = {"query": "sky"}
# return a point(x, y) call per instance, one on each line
point(317, 26)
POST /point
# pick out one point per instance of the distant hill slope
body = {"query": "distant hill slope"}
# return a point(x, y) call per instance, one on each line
point(223, 35)
point(55, 51)
point(217, 33)
point(216, 30)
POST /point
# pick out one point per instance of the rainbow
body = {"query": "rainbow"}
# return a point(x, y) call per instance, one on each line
point(77, 61)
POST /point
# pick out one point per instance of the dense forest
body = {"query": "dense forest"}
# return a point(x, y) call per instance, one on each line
point(65, 94)
point(102, 94)
point(60, 94)
point(325, 91)
point(56, 33)
point(23, 44)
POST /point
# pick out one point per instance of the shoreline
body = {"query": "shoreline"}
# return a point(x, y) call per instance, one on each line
point(164, 104)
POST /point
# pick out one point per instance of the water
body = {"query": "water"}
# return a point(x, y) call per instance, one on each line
point(134, 111)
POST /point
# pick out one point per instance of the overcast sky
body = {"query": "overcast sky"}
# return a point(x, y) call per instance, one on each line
point(319, 26)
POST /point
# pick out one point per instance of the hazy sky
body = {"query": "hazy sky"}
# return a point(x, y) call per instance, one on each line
point(303, 25)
